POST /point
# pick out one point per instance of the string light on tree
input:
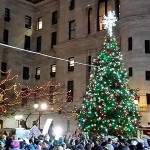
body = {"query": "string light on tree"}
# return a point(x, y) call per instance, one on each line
point(108, 106)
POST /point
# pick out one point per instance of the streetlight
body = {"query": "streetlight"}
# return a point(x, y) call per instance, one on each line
point(40, 107)
point(18, 118)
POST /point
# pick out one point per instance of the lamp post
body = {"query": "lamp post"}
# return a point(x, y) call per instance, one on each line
point(18, 118)
point(40, 107)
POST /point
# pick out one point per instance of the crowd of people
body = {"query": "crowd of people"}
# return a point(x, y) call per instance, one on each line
point(72, 142)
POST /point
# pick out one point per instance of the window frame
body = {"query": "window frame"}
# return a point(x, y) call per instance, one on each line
point(40, 23)
point(54, 17)
point(147, 46)
point(71, 64)
point(53, 39)
point(72, 5)
point(53, 73)
point(28, 22)
point(130, 44)
point(27, 42)
point(130, 71)
point(7, 15)
point(147, 75)
point(5, 36)
point(70, 91)
point(26, 75)
point(38, 73)
point(71, 31)
point(38, 43)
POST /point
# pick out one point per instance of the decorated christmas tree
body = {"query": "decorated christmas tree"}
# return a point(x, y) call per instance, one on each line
point(108, 107)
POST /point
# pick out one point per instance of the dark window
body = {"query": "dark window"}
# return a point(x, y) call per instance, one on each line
point(28, 22)
point(129, 43)
point(130, 72)
point(101, 11)
point(71, 29)
point(25, 73)
point(147, 46)
point(54, 17)
point(89, 62)
point(27, 42)
point(24, 94)
point(51, 93)
point(53, 70)
point(38, 72)
point(117, 8)
point(53, 39)
point(72, 4)
point(5, 36)
point(3, 69)
point(147, 73)
point(71, 64)
point(38, 44)
point(70, 88)
point(89, 20)
point(7, 15)
point(148, 99)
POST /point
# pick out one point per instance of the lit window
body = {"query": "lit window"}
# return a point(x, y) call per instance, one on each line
point(71, 64)
point(53, 70)
point(38, 72)
point(39, 26)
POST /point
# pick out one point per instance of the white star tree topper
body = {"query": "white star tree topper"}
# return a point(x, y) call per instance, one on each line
point(109, 22)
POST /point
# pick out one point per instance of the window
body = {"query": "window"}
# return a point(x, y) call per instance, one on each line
point(148, 99)
point(71, 29)
point(53, 70)
point(130, 72)
point(3, 69)
point(27, 42)
point(24, 93)
point(51, 93)
point(117, 8)
point(71, 64)
point(54, 17)
point(53, 39)
point(38, 44)
point(102, 10)
point(70, 91)
point(147, 73)
point(38, 72)
point(7, 15)
point(5, 36)
point(28, 22)
point(147, 46)
point(89, 62)
point(129, 43)
point(25, 73)
point(2, 91)
point(72, 4)
point(39, 25)
point(89, 20)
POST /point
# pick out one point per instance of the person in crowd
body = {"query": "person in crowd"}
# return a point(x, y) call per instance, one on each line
point(88, 146)
point(97, 146)
point(109, 144)
point(45, 145)
point(2, 145)
point(139, 146)
point(15, 145)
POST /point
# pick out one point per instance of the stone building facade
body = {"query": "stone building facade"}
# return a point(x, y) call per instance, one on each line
point(72, 30)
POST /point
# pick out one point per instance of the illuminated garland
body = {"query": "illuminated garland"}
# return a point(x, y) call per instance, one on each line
point(13, 94)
